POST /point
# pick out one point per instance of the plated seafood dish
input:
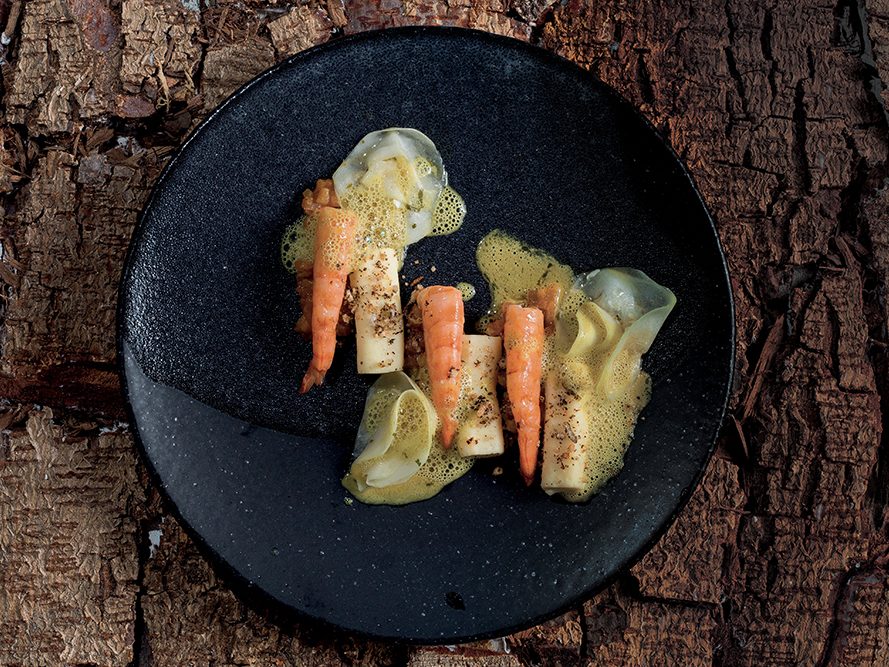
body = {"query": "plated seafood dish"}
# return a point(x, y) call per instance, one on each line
point(552, 371)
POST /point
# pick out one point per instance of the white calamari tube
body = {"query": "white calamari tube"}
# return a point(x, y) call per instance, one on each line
point(481, 431)
point(379, 328)
point(565, 432)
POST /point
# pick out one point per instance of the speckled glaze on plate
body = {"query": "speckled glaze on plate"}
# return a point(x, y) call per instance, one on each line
point(211, 364)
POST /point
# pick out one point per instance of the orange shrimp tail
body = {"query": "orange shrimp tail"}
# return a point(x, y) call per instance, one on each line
point(529, 443)
point(448, 429)
point(441, 309)
point(523, 338)
point(314, 376)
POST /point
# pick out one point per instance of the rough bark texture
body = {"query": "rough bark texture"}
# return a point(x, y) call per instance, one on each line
point(782, 555)
point(71, 500)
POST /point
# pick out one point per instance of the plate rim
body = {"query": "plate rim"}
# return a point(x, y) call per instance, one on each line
point(265, 603)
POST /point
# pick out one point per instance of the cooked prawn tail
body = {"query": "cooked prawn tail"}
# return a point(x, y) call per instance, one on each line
point(314, 376)
point(523, 339)
point(334, 240)
point(441, 309)
point(448, 429)
point(529, 444)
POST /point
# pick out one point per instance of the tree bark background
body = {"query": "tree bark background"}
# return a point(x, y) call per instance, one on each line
point(782, 555)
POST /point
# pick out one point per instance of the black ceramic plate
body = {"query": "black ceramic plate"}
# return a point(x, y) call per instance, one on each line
point(211, 363)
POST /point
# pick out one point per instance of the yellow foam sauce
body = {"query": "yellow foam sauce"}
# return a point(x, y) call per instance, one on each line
point(298, 244)
point(441, 468)
point(382, 222)
point(448, 214)
point(512, 269)
point(467, 290)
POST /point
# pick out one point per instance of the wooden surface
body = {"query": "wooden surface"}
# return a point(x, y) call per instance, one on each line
point(782, 555)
